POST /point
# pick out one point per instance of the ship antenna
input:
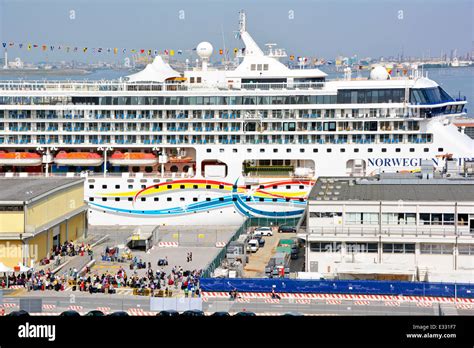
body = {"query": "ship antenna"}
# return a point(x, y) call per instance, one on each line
point(242, 21)
point(223, 44)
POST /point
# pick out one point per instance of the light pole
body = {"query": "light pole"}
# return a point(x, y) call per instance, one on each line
point(47, 156)
point(105, 149)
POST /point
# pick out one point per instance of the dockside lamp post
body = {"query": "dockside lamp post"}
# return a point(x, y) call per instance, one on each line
point(105, 149)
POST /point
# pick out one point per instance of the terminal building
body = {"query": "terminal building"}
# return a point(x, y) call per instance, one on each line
point(397, 227)
point(37, 214)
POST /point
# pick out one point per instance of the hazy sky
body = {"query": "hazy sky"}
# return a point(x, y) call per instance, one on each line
point(322, 28)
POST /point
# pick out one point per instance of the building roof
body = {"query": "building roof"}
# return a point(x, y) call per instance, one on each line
point(392, 189)
point(16, 191)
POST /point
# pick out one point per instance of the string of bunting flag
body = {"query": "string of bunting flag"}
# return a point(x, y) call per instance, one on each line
point(110, 50)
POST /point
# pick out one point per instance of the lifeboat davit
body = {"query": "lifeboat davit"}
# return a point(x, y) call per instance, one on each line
point(133, 159)
point(20, 159)
point(86, 159)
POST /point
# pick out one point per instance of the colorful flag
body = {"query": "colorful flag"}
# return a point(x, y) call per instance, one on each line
point(4, 44)
point(84, 49)
point(29, 47)
point(180, 51)
point(142, 51)
point(44, 47)
point(149, 52)
point(221, 52)
point(115, 50)
point(171, 52)
point(292, 57)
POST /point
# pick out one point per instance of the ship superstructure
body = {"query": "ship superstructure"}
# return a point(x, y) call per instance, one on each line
point(212, 146)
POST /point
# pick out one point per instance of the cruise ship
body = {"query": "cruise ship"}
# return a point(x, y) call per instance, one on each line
point(214, 146)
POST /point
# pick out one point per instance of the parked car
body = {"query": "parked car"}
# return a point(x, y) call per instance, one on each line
point(244, 314)
point(295, 252)
point(261, 241)
point(20, 313)
point(118, 314)
point(193, 313)
point(69, 313)
point(287, 229)
point(263, 231)
point(95, 313)
point(168, 313)
point(220, 314)
point(252, 245)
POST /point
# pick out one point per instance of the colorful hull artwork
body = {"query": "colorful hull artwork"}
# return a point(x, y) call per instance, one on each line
point(188, 197)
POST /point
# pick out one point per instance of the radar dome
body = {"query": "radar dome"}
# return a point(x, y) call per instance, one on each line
point(379, 73)
point(204, 50)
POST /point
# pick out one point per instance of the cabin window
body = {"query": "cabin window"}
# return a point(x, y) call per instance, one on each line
point(253, 67)
point(265, 67)
point(208, 150)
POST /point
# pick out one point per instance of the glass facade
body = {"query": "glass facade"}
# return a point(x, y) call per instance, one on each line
point(435, 95)
point(364, 96)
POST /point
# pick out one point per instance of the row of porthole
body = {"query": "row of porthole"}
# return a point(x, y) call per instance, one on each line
point(208, 187)
point(169, 212)
point(315, 150)
point(195, 199)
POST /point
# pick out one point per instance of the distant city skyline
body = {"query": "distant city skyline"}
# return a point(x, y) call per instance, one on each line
point(366, 28)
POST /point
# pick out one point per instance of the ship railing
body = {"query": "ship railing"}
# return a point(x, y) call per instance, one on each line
point(375, 231)
point(114, 85)
point(166, 175)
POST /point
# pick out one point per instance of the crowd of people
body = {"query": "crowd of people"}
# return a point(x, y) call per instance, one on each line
point(39, 280)
point(93, 282)
point(68, 248)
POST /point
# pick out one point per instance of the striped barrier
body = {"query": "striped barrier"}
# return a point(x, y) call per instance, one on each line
point(303, 301)
point(49, 306)
point(333, 302)
point(16, 287)
point(424, 304)
point(220, 244)
point(10, 305)
point(361, 303)
point(168, 244)
point(415, 299)
point(103, 309)
point(75, 308)
point(393, 303)
point(272, 300)
point(243, 300)
point(463, 306)
point(142, 314)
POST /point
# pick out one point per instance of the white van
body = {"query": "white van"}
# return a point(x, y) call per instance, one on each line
point(263, 231)
point(252, 245)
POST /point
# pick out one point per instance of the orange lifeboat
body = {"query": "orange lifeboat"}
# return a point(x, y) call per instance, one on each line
point(20, 159)
point(86, 159)
point(175, 159)
point(133, 159)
